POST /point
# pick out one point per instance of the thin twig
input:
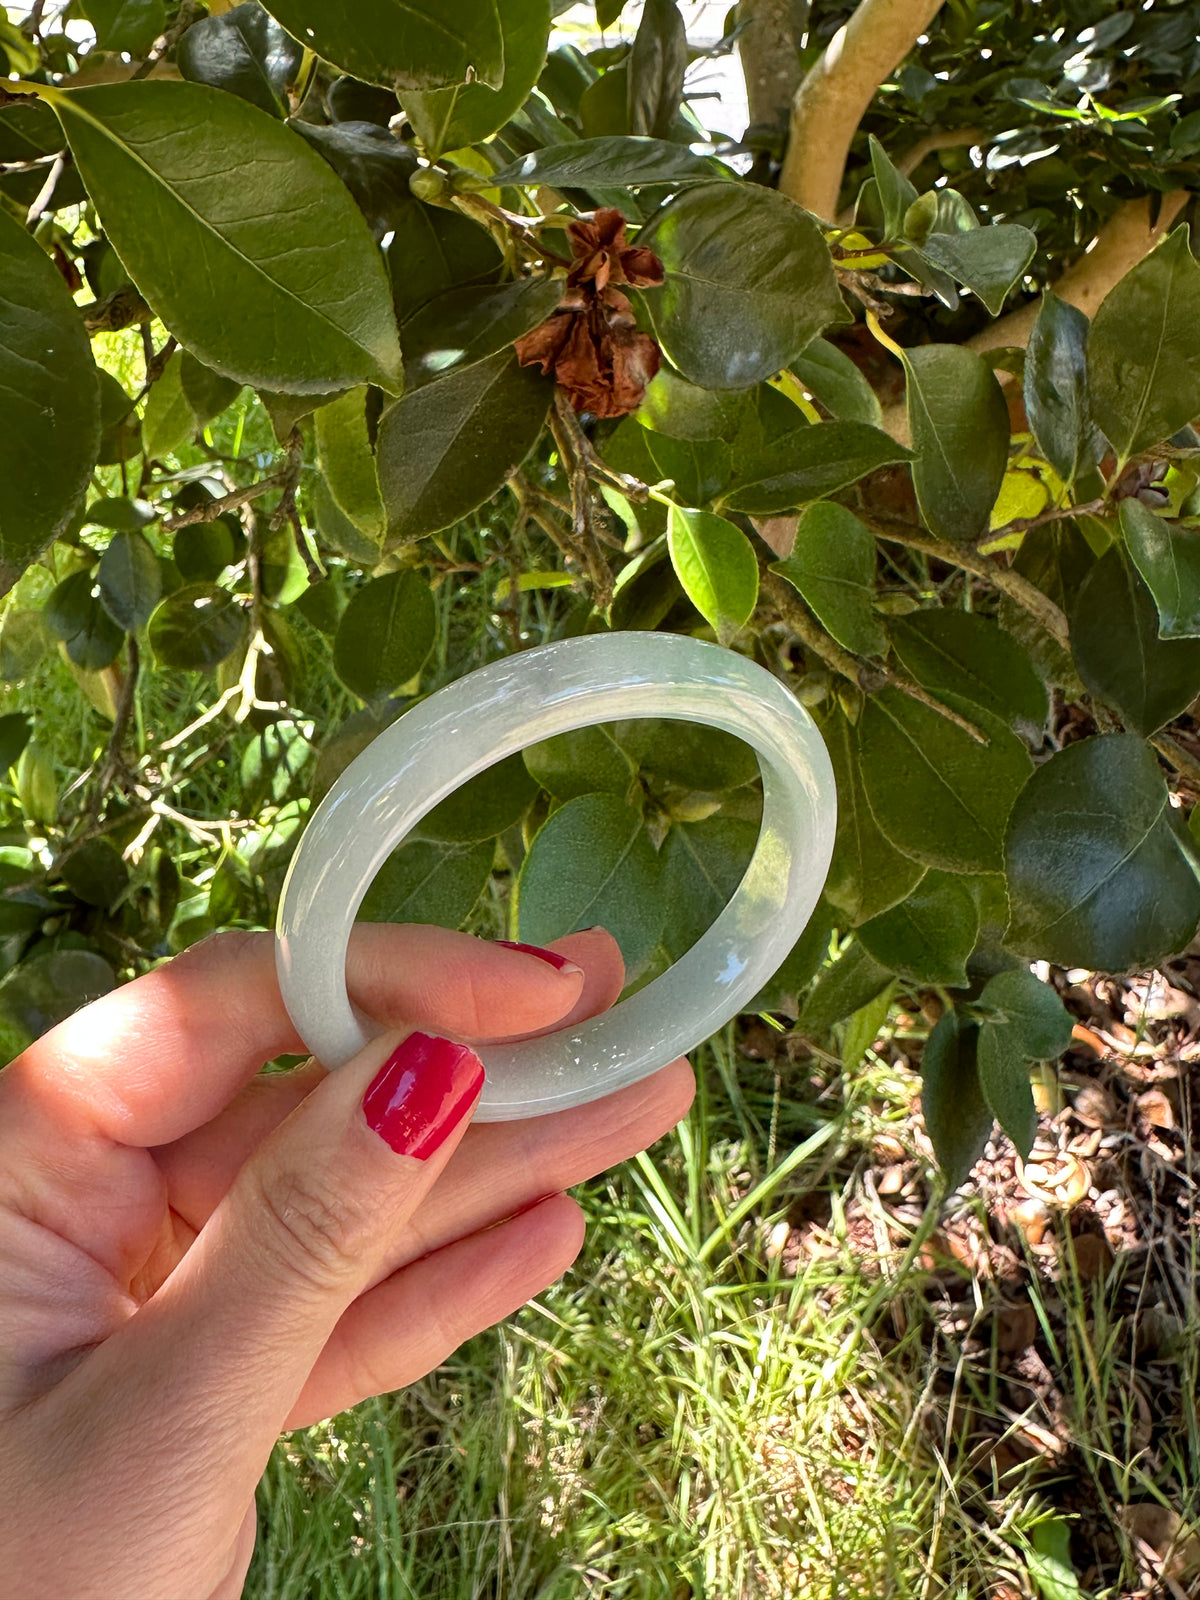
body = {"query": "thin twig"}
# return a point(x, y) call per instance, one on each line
point(212, 509)
point(45, 197)
point(1090, 508)
point(189, 12)
point(1183, 761)
point(118, 310)
point(11, 168)
point(120, 727)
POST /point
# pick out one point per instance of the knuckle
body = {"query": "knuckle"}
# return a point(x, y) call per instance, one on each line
point(317, 1232)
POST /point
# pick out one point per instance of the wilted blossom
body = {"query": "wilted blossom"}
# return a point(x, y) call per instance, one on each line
point(591, 342)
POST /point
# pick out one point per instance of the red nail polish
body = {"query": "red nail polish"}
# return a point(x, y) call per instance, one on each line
point(559, 963)
point(421, 1094)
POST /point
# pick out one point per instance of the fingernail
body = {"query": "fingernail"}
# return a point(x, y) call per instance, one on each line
point(421, 1094)
point(559, 963)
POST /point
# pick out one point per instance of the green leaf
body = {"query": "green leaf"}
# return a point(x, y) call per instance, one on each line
point(657, 63)
point(936, 793)
point(429, 882)
point(841, 989)
point(345, 457)
point(197, 627)
point(627, 163)
point(15, 732)
point(469, 113)
point(1050, 1563)
point(749, 283)
point(120, 425)
point(434, 250)
point(592, 864)
point(168, 420)
point(272, 762)
point(811, 951)
point(838, 384)
point(962, 654)
point(1120, 657)
point(202, 552)
point(1144, 350)
point(989, 260)
point(130, 581)
point(208, 393)
point(450, 445)
point(928, 937)
point(129, 26)
point(48, 988)
point(49, 403)
point(958, 421)
point(699, 469)
point(863, 1028)
point(812, 462)
point(1168, 557)
point(1101, 868)
point(23, 643)
point(1056, 392)
point(703, 863)
point(832, 565)
point(120, 513)
point(76, 616)
point(1037, 1018)
point(336, 530)
point(464, 326)
point(896, 193)
point(385, 634)
point(683, 410)
point(716, 566)
point(373, 164)
point(867, 875)
point(245, 52)
point(211, 203)
point(1004, 1079)
point(402, 44)
point(484, 807)
point(584, 761)
point(687, 755)
point(958, 1119)
point(96, 874)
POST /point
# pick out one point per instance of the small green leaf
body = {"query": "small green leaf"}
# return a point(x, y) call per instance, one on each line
point(484, 807)
point(245, 52)
point(958, 1119)
point(989, 260)
point(49, 403)
point(24, 640)
point(592, 863)
point(867, 875)
point(272, 762)
point(1168, 557)
point(962, 654)
point(15, 732)
point(197, 627)
point(168, 420)
point(807, 955)
point(1040, 1022)
point(716, 566)
point(749, 283)
point(450, 445)
point(687, 755)
point(862, 1028)
point(1117, 649)
point(129, 26)
point(627, 163)
point(809, 463)
point(385, 635)
point(1102, 872)
point(120, 514)
point(402, 44)
point(837, 383)
point(463, 326)
point(657, 63)
point(832, 565)
point(703, 864)
point(936, 793)
point(130, 581)
point(96, 874)
point(203, 551)
point(469, 113)
point(429, 881)
point(1004, 1079)
point(896, 193)
point(842, 988)
point(683, 410)
point(928, 937)
point(958, 421)
point(584, 761)
point(345, 457)
point(1144, 350)
point(75, 615)
point(1056, 393)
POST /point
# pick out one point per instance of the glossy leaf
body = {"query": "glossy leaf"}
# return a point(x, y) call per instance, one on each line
point(584, 761)
point(683, 410)
point(469, 113)
point(203, 552)
point(130, 26)
point(484, 807)
point(592, 863)
point(832, 566)
point(431, 882)
point(1120, 657)
point(373, 164)
point(960, 655)
point(958, 422)
point(75, 615)
point(130, 581)
point(1039, 1021)
point(896, 194)
point(1167, 555)
point(450, 445)
point(385, 634)
point(348, 462)
point(936, 793)
point(812, 462)
point(402, 44)
point(1004, 1080)
point(957, 1118)
point(837, 383)
point(703, 863)
point(628, 163)
point(49, 403)
point(434, 250)
point(209, 203)
point(168, 420)
point(749, 283)
point(1144, 350)
point(197, 628)
point(716, 566)
point(245, 52)
point(463, 326)
point(989, 261)
point(699, 469)
point(1102, 872)
point(867, 875)
point(929, 936)
point(657, 63)
point(1056, 393)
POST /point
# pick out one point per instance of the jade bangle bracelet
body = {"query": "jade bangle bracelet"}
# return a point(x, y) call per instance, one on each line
point(492, 713)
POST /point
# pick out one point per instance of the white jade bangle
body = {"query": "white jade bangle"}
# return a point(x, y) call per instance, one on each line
point(493, 712)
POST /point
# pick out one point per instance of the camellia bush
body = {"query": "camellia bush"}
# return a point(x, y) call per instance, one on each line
point(346, 347)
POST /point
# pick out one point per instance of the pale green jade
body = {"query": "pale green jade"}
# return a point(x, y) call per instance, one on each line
point(493, 712)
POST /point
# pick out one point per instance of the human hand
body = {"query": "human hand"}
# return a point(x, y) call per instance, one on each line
point(194, 1257)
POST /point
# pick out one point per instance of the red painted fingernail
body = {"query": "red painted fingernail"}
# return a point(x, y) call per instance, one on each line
point(559, 963)
point(421, 1094)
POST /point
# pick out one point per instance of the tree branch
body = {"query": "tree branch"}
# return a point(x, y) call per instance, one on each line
point(768, 44)
point(830, 103)
point(946, 139)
